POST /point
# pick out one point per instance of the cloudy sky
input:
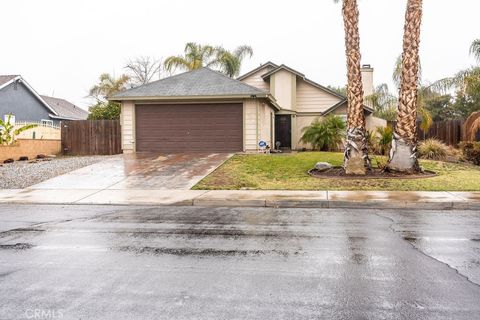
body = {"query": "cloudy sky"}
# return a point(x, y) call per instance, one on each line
point(60, 47)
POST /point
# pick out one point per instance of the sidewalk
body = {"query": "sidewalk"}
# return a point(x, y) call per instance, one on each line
point(248, 198)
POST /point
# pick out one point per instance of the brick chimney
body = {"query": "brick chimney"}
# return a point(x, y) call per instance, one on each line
point(367, 79)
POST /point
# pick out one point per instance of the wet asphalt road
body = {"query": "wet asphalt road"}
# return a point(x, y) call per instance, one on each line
point(87, 262)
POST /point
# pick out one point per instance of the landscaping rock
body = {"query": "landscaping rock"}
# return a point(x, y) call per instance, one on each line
point(41, 156)
point(8, 160)
point(22, 174)
point(323, 166)
point(24, 158)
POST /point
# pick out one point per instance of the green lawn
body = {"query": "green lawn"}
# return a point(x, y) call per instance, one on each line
point(289, 172)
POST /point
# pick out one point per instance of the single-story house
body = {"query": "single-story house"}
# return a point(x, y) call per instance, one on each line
point(19, 99)
point(204, 110)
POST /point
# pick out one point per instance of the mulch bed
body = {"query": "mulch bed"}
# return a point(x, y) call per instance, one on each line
point(375, 173)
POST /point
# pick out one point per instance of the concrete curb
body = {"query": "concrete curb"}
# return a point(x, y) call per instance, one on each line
point(248, 198)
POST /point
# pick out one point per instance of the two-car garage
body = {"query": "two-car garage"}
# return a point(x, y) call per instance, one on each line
point(196, 111)
point(170, 128)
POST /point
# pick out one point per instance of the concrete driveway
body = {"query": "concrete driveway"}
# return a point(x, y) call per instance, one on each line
point(141, 171)
point(106, 262)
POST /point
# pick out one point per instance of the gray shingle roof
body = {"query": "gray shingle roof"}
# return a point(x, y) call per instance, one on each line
point(200, 82)
point(65, 109)
point(5, 78)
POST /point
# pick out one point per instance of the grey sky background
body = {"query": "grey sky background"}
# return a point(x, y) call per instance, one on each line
point(61, 47)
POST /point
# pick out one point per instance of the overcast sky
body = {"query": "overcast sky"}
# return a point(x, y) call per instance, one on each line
point(61, 47)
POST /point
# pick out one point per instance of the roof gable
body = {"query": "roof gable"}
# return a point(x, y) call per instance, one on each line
point(282, 67)
point(10, 79)
point(5, 80)
point(302, 76)
point(196, 83)
point(263, 66)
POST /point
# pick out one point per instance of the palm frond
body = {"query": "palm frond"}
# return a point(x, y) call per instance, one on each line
point(25, 128)
point(426, 118)
point(242, 51)
point(458, 81)
point(325, 134)
point(397, 72)
point(475, 49)
point(176, 62)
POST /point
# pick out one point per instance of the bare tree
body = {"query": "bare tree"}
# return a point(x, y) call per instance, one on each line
point(143, 70)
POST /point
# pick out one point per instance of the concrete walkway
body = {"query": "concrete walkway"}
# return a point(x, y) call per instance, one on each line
point(248, 198)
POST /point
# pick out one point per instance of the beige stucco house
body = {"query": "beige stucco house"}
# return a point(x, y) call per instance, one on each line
point(206, 111)
point(302, 100)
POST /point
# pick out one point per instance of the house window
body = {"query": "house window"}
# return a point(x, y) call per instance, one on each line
point(47, 122)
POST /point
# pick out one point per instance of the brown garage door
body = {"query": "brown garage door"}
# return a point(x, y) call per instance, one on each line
point(189, 127)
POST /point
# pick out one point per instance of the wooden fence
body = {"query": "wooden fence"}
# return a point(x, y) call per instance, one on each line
point(450, 132)
point(91, 137)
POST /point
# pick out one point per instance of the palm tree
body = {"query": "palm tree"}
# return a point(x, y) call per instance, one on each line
point(8, 132)
point(230, 62)
point(403, 155)
point(108, 85)
point(356, 160)
point(475, 49)
point(463, 78)
point(195, 56)
point(425, 92)
point(383, 102)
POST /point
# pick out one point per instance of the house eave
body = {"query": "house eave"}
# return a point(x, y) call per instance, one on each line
point(166, 98)
point(62, 118)
point(341, 103)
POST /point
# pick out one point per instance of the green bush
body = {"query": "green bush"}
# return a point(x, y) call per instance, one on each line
point(385, 137)
point(471, 151)
point(432, 149)
point(325, 134)
point(104, 110)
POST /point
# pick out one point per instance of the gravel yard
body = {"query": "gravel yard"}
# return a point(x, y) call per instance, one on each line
point(21, 174)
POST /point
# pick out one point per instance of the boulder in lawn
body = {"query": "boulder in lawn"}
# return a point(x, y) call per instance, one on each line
point(323, 166)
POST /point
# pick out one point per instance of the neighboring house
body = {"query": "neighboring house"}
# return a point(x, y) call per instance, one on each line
point(204, 110)
point(18, 98)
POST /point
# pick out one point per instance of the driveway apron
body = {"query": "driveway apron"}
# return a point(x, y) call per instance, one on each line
point(140, 171)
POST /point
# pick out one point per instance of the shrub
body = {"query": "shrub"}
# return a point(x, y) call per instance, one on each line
point(385, 137)
point(104, 110)
point(325, 134)
point(471, 151)
point(432, 149)
point(8, 133)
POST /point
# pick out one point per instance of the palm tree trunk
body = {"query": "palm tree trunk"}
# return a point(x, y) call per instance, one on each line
point(403, 154)
point(356, 159)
